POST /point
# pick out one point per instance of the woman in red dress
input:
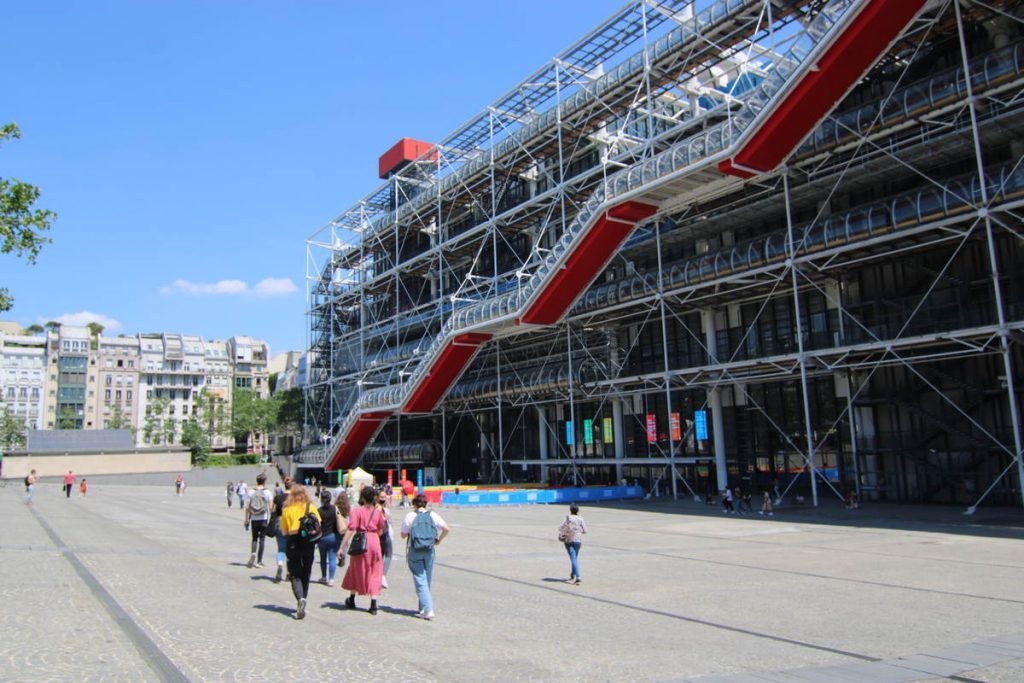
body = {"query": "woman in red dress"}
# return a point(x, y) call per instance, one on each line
point(365, 570)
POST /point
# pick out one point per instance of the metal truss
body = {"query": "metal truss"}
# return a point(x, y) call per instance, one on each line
point(916, 170)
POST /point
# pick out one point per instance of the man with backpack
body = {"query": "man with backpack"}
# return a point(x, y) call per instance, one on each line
point(424, 530)
point(257, 514)
point(30, 486)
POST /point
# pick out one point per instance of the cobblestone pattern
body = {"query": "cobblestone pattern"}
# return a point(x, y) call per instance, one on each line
point(665, 597)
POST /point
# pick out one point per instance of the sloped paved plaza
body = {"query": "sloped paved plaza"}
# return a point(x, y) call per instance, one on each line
point(135, 584)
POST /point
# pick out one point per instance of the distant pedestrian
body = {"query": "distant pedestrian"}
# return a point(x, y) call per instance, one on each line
point(424, 530)
point(766, 505)
point(83, 488)
point(179, 485)
point(243, 493)
point(727, 506)
point(69, 483)
point(300, 550)
point(257, 516)
point(746, 503)
point(366, 569)
point(231, 491)
point(387, 544)
point(30, 486)
point(275, 526)
point(571, 533)
point(329, 541)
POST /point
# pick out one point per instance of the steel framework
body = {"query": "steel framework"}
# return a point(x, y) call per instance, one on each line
point(799, 220)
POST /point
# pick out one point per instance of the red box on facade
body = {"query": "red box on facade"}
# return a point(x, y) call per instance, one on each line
point(404, 151)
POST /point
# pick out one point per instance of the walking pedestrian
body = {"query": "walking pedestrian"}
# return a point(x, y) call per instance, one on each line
point(300, 550)
point(83, 488)
point(231, 491)
point(243, 493)
point(69, 483)
point(179, 484)
point(766, 505)
point(365, 569)
point(570, 533)
point(387, 544)
point(275, 526)
point(329, 541)
point(727, 506)
point(30, 486)
point(257, 515)
point(424, 531)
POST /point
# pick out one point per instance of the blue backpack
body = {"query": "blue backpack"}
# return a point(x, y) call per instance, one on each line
point(422, 535)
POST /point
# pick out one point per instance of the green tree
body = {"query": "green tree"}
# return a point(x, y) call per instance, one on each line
point(251, 415)
point(12, 430)
point(95, 329)
point(291, 410)
point(33, 330)
point(194, 438)
point(67, 418)
point(170, 429)
point(212, 415)
point(21, 227)
point(152, 428)
point(52, 326)
point(118, 420)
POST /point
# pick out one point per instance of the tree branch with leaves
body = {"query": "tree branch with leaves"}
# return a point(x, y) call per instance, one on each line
point(21, 226)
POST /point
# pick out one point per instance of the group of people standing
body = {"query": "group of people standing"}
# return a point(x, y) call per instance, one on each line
point(360, 537)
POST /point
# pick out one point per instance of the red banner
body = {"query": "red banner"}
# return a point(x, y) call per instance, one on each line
point(677, 433)
point(652, 429)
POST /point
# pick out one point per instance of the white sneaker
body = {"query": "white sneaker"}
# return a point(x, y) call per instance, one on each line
point(428, 615)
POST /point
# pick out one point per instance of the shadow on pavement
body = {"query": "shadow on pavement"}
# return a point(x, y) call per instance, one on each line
point(287, 611)
point(551, 579)
point(258, 577)
point(989, 522)
point(400, 612)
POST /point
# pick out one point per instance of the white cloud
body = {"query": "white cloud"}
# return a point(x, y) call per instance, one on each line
point(271, 286)
point(83, 318)
point(274, 286)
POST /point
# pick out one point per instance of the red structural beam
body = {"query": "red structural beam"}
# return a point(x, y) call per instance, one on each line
point(450, 363)
point(362, 432)
point(843, 63)
point(586, 261)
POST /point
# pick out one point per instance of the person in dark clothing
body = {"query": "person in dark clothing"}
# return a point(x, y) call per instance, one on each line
point(329, 541)
point(300, 550)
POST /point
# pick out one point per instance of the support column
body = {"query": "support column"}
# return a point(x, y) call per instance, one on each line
point(620, 438)
point(543, 431)
point(715, 402)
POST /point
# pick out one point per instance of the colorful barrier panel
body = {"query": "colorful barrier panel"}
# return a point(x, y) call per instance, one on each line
point(528, 497)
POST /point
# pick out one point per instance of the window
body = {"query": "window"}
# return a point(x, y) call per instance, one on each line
point(117, 394)
point(109, 380)
point(106, 395)
point(131, 363)
point(10, 392)
point(149, 394)
point(35, 392)
point(129, 394)
point(120, 363)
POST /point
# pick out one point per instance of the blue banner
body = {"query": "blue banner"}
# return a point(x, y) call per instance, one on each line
point(700, 424)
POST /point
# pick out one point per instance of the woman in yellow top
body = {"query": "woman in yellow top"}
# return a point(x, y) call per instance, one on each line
point(299, 549)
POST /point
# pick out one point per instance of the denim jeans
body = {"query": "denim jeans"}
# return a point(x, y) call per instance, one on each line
point(574, 550)
point(282, 544)
point(421, 564)
point(329, 555)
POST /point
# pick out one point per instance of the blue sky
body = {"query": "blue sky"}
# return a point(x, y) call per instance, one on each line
point(190, 148)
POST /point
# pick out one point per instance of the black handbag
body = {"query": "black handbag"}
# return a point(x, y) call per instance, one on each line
point(357, 546)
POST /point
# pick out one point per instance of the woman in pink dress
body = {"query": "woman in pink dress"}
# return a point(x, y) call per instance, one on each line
point(365, 570)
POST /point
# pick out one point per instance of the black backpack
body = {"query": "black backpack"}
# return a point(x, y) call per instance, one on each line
point(309, 527)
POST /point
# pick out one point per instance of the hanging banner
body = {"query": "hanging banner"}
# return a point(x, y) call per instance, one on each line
point(700, 424)
point(391, 476)
point(588, 431)
point(568, 434)
point(606, 430)
point(677, 433)
point(652, 429)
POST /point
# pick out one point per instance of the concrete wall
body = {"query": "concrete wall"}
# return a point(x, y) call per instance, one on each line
point(17, 465)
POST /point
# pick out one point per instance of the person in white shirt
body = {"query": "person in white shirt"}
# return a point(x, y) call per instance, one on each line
point(423, 530)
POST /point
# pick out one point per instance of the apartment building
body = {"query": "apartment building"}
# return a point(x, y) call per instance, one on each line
point(149, 382)
point(23, 377)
